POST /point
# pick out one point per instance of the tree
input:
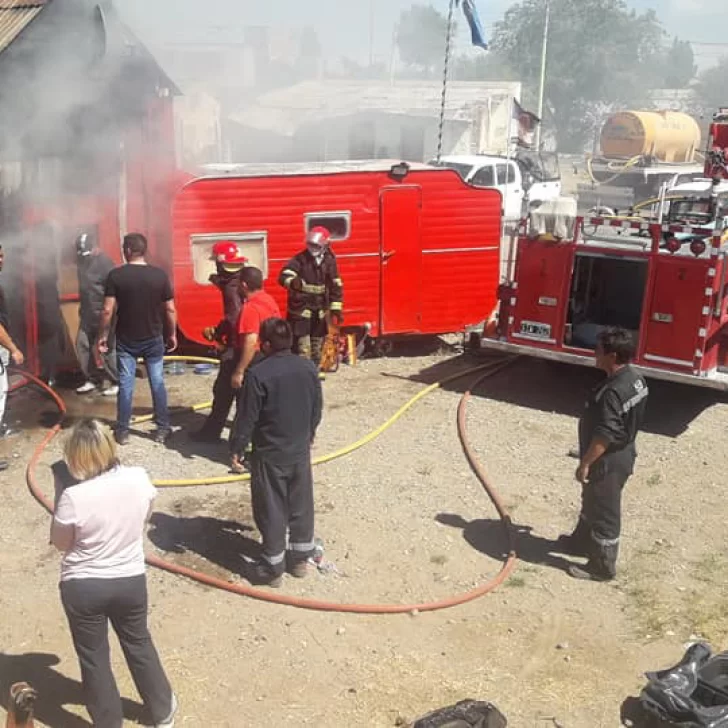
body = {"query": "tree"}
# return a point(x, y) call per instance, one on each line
point(600, 53)
point(712, 88)
point(421, 36)
point(678, 68)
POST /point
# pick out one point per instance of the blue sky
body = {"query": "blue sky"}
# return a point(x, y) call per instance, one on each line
point(344, 25)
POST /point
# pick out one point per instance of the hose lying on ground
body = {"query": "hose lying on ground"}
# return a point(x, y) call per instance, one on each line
point(484, 371)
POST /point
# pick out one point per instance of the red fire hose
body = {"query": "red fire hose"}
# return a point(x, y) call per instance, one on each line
point(315, 604)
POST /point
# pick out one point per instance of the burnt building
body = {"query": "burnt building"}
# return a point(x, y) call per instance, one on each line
point(86, 144)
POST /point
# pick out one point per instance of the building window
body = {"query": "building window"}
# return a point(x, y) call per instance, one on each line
point(337, 223)
point(254, 246)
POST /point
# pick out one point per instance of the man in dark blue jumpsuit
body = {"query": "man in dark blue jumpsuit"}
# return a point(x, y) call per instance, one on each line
point(607, 433)
point(280, 411)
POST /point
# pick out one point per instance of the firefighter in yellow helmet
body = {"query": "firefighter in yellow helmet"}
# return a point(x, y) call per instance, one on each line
point(315, 292)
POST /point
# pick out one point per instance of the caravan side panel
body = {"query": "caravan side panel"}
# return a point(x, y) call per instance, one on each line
point(268, 217)
point(461, 237)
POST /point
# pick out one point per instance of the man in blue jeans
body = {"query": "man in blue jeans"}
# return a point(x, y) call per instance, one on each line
point(141, 296)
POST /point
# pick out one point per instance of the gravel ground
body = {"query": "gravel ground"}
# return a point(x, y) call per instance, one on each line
point(404, 521)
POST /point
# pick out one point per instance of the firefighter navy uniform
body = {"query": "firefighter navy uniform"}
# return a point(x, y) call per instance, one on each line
point(614, 414)
point(280, 411)
point(227, 281)
point(315, 290)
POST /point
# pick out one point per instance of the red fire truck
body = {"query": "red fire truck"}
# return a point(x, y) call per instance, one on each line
point(665, 279)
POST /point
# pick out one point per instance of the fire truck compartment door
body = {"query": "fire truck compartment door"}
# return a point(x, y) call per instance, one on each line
point(675, 312)
point(543, 273)
point(401, 255)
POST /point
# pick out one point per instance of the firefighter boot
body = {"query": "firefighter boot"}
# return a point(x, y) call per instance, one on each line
point(602, 564)
point(576, 543)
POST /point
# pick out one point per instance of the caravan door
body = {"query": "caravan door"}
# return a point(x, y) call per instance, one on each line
point(401, 256)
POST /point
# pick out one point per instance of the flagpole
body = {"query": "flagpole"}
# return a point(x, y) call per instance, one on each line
point(444, 78)
point(542, 86)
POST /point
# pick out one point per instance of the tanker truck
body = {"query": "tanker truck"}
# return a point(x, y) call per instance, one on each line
point(635, 154)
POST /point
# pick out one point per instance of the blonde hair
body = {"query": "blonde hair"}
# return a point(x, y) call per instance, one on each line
point(90, 450)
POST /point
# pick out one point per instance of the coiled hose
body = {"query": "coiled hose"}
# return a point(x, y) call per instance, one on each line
point(484, 371)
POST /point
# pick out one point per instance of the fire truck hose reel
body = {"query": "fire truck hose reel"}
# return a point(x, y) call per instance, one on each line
point(484, 371)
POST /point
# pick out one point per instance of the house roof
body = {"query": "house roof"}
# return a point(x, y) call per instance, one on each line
point(283, 111)
point(15, 16)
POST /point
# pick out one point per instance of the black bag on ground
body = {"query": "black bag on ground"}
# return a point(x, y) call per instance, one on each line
point(466, 714)
point(693, 693)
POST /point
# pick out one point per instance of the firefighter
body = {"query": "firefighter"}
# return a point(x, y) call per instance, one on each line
point(9, 352)
point(280, 412)
point(229, 263)
point(93, 267)
point(315, 292)
point(607, 433)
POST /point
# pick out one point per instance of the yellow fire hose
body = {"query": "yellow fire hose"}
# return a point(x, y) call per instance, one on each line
point(227, 479)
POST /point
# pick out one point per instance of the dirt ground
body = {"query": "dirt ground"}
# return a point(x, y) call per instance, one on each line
point(404, 520)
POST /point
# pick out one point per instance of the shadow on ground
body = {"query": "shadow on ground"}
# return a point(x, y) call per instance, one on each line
point(54, 689)
point(554, 387)
point(223, 543)
point(489, 537)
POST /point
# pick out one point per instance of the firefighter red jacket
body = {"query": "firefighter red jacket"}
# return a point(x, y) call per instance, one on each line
point(321, 288)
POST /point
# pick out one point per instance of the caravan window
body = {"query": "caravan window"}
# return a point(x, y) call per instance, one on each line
point(253, 245)
point(337, 223)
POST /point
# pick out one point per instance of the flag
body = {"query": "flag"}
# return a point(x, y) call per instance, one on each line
point(476, 28)
point(526, 123)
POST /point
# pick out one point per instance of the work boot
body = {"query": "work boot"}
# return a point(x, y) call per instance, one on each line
point(261, 573)
point(577, 543)
point(602, 564)
point(122, 437)
point(297, 567)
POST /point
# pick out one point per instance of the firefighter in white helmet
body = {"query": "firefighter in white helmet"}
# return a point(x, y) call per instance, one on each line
point(315, 293)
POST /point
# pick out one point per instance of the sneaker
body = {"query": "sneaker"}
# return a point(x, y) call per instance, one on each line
point(168, 722)
point(111, 391)
point(6, 431)
point(122, 437)
point(85, 388)
point(162, 435)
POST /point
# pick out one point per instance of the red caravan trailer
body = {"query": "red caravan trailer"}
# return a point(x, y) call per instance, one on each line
point(418, 249)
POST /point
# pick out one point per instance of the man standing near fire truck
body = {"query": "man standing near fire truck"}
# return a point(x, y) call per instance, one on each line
point(607, 433)
point(229, 262)
point(315, 292)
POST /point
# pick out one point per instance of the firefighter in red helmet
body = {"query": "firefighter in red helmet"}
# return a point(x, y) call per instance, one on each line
point(315, 292)
point(228, 262)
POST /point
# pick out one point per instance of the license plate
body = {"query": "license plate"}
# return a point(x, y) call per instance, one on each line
point(538, 330)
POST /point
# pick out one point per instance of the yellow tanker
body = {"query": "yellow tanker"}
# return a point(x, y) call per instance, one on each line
point(668, 136)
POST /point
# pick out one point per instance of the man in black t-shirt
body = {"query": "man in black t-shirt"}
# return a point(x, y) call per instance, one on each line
point(141, 296)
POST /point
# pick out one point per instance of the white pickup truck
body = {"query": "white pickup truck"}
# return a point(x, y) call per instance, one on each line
point(523, 179)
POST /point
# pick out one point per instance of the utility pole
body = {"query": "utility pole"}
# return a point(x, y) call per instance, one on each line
point(542, 86)
point(446, 71)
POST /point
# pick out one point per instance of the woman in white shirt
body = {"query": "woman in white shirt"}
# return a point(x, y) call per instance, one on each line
point(99, 525)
